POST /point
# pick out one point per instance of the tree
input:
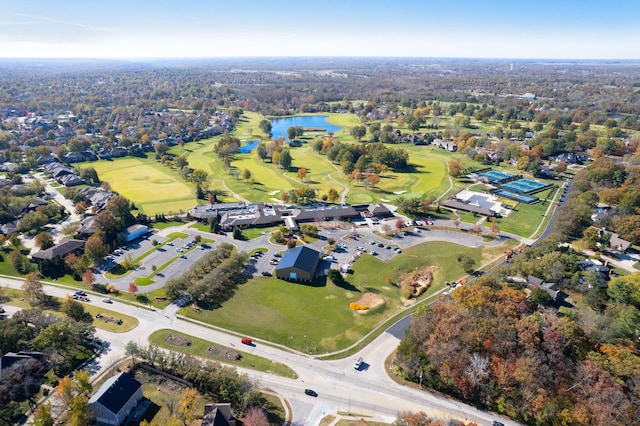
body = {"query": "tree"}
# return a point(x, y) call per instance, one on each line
point(94, 249)
point(90, 176)
point(255, 416)
point(455, 169)
point(88, 277)
point(333, 195)
point(262, 152)
point(133, 288)
point(373, 180)
point(466, 262)
point(237, 233)
point(265, 126)
point(73, 309)
point(358, 132)
point(187, 402)
point(199, 176)
point(44, 240)
point(246, 174)
point(121, 208)
point(32, 288)
point(42, 415)
point(285, 159)
point(302, 173)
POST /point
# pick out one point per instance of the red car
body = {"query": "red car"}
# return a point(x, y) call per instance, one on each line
point(246, 341)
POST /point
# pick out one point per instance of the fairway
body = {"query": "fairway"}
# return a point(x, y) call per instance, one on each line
point(152, 187)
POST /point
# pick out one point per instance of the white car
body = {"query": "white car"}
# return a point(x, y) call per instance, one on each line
point(107, 300)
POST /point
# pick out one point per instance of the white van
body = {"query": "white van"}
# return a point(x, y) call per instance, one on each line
point(358, 363)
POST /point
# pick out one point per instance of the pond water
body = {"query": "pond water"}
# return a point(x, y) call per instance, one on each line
point(249, 146)
point(279, 126)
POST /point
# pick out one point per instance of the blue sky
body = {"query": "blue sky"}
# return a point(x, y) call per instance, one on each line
point(553, 29)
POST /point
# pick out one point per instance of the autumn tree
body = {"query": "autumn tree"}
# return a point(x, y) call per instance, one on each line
point(44, 240)
point(32, 289)
point(455, 169)
point(333, 195)
point(373, 180)
point(133, 288)
point(255, 416)
point(94, 249)
point(302, 173)
point(42, 415)
point(187, 403)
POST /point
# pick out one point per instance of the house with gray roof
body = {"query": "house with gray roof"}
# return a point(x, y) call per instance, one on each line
point(61, 250)
point(218, 415)
point(115, 399)
point(299, 264)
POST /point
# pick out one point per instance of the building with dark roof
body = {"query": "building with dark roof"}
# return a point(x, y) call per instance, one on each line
point(60, 250)
point(10, 358)
point(299, 264)
point(115, 399)
point(218, 415)
point(454, 203)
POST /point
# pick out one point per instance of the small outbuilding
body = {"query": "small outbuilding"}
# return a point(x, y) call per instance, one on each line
point(115, 399)
point(135, 231)
point(299, 264)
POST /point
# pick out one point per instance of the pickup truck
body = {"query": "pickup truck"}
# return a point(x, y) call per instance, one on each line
point(358, 363)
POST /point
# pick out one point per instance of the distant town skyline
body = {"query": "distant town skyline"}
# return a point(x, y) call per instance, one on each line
point(544, 29)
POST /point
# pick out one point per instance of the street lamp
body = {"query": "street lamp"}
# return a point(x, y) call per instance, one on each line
point(308, 349)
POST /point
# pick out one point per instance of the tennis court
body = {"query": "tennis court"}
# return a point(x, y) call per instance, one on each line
point(524, 186)
point(518, 197)
point(496, 176)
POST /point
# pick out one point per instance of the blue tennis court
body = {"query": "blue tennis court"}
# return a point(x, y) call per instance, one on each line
point(517, 197)
point(524, 186)
point(496, 176)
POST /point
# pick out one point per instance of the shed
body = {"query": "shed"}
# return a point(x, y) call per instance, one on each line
point(299, 264)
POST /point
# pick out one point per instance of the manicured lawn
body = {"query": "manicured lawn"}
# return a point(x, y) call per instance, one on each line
point(92, 308)
point(285, 312)
point(526, 218)
point(199, 348)
point(153, 187)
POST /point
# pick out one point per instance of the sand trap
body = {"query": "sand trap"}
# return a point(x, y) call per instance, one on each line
point(400, 192)
point(274, 192)
point(384, 200)
point(370, 299)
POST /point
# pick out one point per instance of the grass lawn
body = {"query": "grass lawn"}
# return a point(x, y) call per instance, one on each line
point(285, 312)
point(153, 187)
point(199, 348)
point(526, 218)
point(128, 322)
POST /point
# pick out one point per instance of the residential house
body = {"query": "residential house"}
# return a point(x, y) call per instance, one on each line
point(448, 145)
point(115, 399)
point(550, 288)
point(218, 415)
point(10, 358)
point(618, 244)
point(299, 264)
point(60, 250)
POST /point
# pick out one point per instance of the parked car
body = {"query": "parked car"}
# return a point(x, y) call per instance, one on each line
point(277, 255)
point(358, 363)
point(246, 341)
point(266, 274)
point(310, 392)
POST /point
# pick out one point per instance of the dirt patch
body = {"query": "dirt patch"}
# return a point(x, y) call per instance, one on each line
point(223, 353)
point(371, 300)
point(177, 340)
point(417, 282)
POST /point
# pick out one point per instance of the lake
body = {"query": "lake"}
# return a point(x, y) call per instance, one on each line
point(279, 126)
point(249, 146)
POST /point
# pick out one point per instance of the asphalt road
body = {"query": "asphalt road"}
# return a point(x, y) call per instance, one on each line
point(340, 387)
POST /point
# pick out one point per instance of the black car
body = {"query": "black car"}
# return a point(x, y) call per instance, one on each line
point(311, 392)
point(496, 423)
point(266, 274)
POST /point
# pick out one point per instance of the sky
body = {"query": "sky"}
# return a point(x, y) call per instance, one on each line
point(510, 29)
